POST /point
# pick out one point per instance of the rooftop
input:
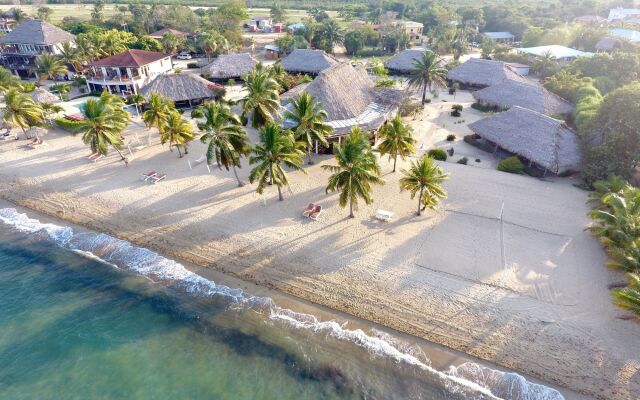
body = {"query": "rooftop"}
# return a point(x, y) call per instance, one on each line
point(534, 136)
point(480, 72)
point(556, 51)
point(228, 66)
point(179, 87)
point(174, 32)
point(35, 31)
point(130, 58)
point(626, 34)
point(308, 61)
point(622, 13)
point(527, 95)
point(499, 35)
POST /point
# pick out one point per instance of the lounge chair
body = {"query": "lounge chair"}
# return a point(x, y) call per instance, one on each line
point(307, 211)
point(316, 213)
point(92, 156)
point(146, 176)
point(98, 158)
point(158, 178)
point(384, 215)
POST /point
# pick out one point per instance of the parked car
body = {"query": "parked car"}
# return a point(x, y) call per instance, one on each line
point(184, 56)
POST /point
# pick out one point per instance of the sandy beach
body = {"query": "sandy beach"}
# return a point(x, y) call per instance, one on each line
point(504, 270)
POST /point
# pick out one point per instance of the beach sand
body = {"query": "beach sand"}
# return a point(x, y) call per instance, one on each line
point(504, 270)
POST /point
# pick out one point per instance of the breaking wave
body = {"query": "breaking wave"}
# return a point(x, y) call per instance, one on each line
point(484, 381)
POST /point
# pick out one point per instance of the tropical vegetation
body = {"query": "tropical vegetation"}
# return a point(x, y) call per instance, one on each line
point(425, 179)
point(396, 140)
point(428, 73)
point(309, 119)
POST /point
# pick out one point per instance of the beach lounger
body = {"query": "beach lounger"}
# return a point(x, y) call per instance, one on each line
point(98, 158)
point(145, 177)
point(157, 178)
point(92, 156)
point(384, 215)
point(316, 213)
point(307, 211)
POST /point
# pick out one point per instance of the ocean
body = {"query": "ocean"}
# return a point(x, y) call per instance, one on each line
point(87, 316)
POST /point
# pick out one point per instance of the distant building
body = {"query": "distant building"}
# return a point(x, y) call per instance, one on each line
point(33, 37)
point(413, 30)
point(272, 51)
point(127, 72)
point(404, 62)
point(296, 27)
point(261, 21)
point(477, 73)
point(7, 24)
point(307, 61)
point(562, 54)
point(590, 20)
point(621, 14)
point(179, 34)
point(500, 37)
point(626, 34)
point(608, 44)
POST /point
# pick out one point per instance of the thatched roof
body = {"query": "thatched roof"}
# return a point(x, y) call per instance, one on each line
point(41, 95)
point(308, 61)
point(480, 72)
point(35, 31)
point(403, 61)
point(534, 136)
point(229, 66)
point(608, 44)
point(528, 95)
point(179, 87)
point(349, 97)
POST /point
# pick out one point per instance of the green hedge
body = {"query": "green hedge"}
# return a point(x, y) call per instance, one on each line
point(512, 165)
point(66, 124)
point(438, 154)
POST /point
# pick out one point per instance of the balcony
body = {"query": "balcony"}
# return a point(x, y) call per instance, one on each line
point(98, 77)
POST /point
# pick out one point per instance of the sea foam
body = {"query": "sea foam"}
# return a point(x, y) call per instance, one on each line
point(487, 382)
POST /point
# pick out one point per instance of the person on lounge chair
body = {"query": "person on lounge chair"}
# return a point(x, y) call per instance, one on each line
point(307, 211)
point(316, 213)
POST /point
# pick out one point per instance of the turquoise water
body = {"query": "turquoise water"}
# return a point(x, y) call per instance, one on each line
point(135, 325)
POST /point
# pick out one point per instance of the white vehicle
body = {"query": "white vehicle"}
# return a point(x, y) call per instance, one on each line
point(184, 56)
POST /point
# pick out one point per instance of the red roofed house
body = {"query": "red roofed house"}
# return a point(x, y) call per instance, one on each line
point(126, 73)
point(179, 34)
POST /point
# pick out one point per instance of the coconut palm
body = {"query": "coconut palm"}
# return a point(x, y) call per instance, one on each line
point(427, 73)
point(169, 43)
point(309, 119)
point(62, 89)
point(86, 48)
point(629, 297)
point(8, 80)
point(69, 54)
point(425, 179)
point(177, 131)
point(356, 172)
point(397, 140)
point(277, 149)
point(619, 219)
point(158, 110)
point(20, 110)
point(49, 109)
point(226, 139)
point(138, 100)
point(546, 64)
point(262, 97)
point(103, 126)
point(208, 43)
point(49, 66)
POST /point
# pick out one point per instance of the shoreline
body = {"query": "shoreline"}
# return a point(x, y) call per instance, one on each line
point(534, 300)
point(440, 357)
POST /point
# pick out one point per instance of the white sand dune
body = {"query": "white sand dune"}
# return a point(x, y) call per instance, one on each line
point(527, 291)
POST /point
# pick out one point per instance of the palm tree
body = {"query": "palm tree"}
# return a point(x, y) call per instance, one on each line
point(49, 66)
point(48, 109)
point(424, 178)
point(20, 110)
point(309, 119)
point(138, 100)
point(397, 140)
point(177, 131)
point(69, 54)
point(356, 172)
point(8, 80)
point(619, 219)
point(629, 297)
point(262, 97)
point(169, 43)
point(277, 149)
point(158, 110)
point(208, 43)
point(103, 126)
point(225, 137)
point(428, 72)
point(62, 89)
point(545, 64)
point(86, 48)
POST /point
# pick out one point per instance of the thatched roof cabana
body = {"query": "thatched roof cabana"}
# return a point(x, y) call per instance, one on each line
point(349, 97)
point(230, 66)
point(608, 44)
point(183, 87)
point(543, 140)
point(403, 62)
point(41, 96)
point(308, 61)
point(527, 95)
point(478, 72)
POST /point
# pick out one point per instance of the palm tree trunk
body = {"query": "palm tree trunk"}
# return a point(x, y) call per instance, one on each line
point(24, 131)
point(351, 209)
point(420, 200)
point(424, 94)
point(235, 172)
point(309, 162)
point(395, 160)
point(280, 194)
point(179, 152)
point(119, 152)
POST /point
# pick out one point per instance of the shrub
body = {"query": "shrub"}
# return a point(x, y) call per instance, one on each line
point(427, 101)
point(477, 160)
point(463, 160)
point(197, 113)
point(512, 165)
point(231, 82)
point(457, 107)
point(192, 65)
point(66, 124)
point(450, 151)
point(437, 154)
point(177, 70)
point(451, 137)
